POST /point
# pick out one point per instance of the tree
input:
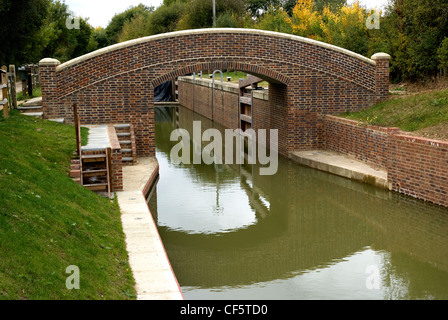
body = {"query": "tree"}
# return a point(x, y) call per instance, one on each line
point(305, 20)
point(259, 7)
point(60, 42)
point(332, 5)
point(133, 29)
point(100, 38)
point(421, 27)
point(442, 54)
point(228, 20)
point(350, 31)
point(275, 19)
point(343, 26)
point(165, 18)
point(118, 21)
point(21, 21)
point(198, 13)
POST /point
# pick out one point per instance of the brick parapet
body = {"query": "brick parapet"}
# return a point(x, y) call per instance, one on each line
point(116, 160)
point(382, 75)
point(49, 83)
point(416, 166)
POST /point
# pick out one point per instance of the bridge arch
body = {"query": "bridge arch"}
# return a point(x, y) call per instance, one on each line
point(261, 72)
point(308, 79)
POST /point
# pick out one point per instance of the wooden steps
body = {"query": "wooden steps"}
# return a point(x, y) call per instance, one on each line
point(96, 171)
point(246, 101)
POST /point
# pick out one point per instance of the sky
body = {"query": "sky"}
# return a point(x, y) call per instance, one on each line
point(100, 12)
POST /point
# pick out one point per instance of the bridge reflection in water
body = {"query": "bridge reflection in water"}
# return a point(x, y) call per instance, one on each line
point(299, 234)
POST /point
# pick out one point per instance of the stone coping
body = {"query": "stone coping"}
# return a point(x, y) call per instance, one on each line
point(342, 165)
point(98, 138)
point(53, 62)
point(113, 139)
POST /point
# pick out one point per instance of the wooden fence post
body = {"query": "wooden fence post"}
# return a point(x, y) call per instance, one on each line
point(12, 86)
point(78, 130)
point(4, 88)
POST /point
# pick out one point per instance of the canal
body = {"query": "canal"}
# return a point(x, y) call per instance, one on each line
point(231, 233)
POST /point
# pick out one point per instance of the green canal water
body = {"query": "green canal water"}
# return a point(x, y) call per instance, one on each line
point(231, 233)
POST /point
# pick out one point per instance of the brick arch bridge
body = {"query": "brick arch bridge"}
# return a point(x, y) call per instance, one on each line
point(307, 79)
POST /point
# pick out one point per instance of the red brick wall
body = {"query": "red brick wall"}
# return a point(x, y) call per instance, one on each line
point(267, 113)
point(418, 167)
point(415, 166)
point(198, 97)
point(364, 142)
point(49, 83)
point(116, 84)
point(116, 156)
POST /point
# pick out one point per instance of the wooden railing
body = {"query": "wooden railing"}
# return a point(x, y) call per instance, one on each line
point(8, 89)
point(4, 88)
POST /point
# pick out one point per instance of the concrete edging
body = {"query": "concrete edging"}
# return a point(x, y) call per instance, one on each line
point(152, 271)
point(342, 166)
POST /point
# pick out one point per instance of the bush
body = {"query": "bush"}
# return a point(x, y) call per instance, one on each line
point(442, 54)
point(275, 19)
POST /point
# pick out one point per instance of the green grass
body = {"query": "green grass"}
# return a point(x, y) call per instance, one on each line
point(37, 92)
point(407, 113)
point(48, 222)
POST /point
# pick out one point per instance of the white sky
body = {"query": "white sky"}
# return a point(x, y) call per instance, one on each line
point(100, 12)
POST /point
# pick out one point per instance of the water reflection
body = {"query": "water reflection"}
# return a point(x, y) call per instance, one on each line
point(300, 234)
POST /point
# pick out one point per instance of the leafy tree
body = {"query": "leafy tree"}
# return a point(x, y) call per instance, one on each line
point(118, 21)
point(81, 39)
point(332, 5)
point(165, 18)
point(442, 54)
point(350, 31)
point(343, 26)
point(228, 20)
point(259, 7)
point(198, 13)
point(421, 27)
point(134, 28)
point(305, 21)
point(21, 21)
point(275, 19)
point(99, 37)
point(60, 42)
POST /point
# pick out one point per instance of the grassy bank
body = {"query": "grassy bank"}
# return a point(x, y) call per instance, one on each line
point(37, 92)
point(414, 113)
point(235, 77)
point(48, 222)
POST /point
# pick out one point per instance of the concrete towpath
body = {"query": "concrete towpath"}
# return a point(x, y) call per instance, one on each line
point(154, 277)
point(341, 165)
